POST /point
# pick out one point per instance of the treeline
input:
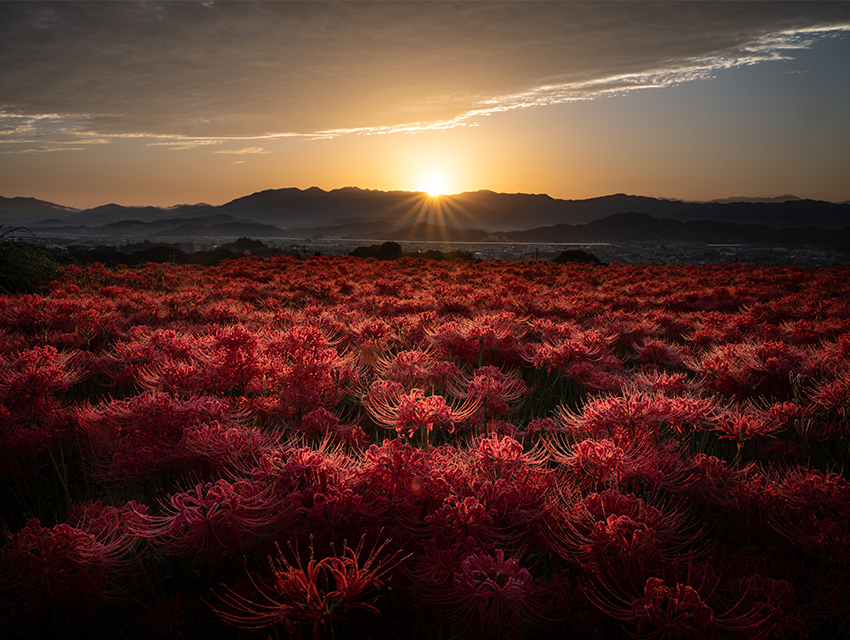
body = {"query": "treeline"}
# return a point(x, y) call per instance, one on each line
point(393, 251)
point(25, 266)
point(144, 252)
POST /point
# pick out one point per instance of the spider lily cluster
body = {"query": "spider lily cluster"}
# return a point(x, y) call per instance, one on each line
point(339, 447)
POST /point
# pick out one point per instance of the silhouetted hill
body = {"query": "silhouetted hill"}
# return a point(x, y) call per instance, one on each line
point(780, 215)
point(784, 198)
point(627, 227)
point(228, 230)
point(108, 213)
point(141, 228)
point(434, 233)
point(284, 207)
point(313, 211)
point(170, 223)
point(20, 210)
point(190, 210)
point(504, 212)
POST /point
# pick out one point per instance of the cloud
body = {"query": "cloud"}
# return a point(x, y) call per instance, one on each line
point(30, 150)
point(183, 144)
point(239, 152)
point(245, 70)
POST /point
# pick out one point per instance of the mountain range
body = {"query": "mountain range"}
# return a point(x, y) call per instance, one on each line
point(472, 216)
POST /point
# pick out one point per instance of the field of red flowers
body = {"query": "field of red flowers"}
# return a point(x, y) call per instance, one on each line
point(346, 448)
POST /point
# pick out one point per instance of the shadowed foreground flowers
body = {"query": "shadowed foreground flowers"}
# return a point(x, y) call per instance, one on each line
point(317, 594)
point(64, 566)
point(519, 450)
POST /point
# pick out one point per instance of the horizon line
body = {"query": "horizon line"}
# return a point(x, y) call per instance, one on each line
point(721, 200)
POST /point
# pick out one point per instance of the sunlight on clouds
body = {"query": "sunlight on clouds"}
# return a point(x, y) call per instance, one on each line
point(33, 150)
point(183, 145)
point(241, 152)
point(526, 56)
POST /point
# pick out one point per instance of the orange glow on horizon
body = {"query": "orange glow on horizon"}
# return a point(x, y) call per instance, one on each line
point(435, 183)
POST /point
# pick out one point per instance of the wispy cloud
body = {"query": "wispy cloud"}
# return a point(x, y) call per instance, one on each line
point(31, 150)
point(183, 144)
point(240, 152)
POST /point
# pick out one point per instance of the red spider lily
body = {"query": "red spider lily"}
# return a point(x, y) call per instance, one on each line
point(411, 368)
point(495, 338)
point(811, 510)
point(152, 418)
point(499, 456)
point(418, 369)
point(672, 612)
point(710, 479)
point(125, 364)
point(224, 447)
point(789, 414)
point(834, 396)
point(741, 426)
point(317, 594)
point(211, 519)
point(602, 460)
point(320, 423)
point(685, 604)
point(64, 565)
point(137, 437)
point(777, 600)
point(314, 491)
point(586, 358)
point(602, 463)
point(34, 373)
point(652, 380)
point(491, 596)
point(296, 467)
point(108, 524)
point(813, 491)
point(518, 506)
point(634, 416)
point(303, 377)
point(329, 512)
point(496, 391)
point(614, 534)
point(299, 340)
point(32, 411)
point(661, 353)
point(626, 330)
point(30, 382)
point(392, 407)
point(233, 358)
point(460, 521)
point(751, 369)
point(395, 478)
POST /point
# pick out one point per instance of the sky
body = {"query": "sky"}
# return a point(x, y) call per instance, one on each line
point(163, 103)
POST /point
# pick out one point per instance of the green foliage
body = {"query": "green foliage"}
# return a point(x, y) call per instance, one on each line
point(23, 265)
point(577, 255)
point(393, 250)
point(385, 251)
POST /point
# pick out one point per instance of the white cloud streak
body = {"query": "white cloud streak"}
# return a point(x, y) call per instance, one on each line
point(244, 151)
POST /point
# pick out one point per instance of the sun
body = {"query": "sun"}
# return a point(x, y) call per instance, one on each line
point(434, 183)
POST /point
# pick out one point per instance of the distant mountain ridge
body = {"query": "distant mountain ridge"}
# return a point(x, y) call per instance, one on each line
point(355, 212)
